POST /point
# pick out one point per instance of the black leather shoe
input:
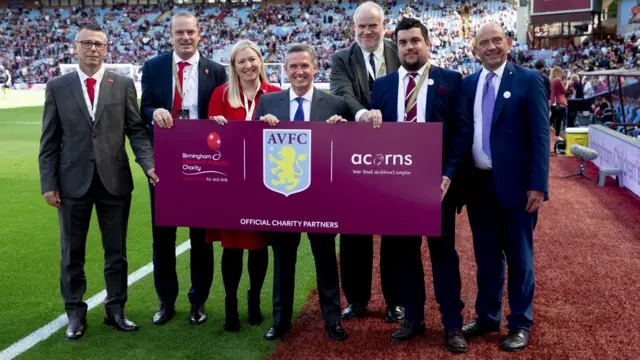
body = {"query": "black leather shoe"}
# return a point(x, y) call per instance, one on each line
point(75, 329)
point(276, 332)
point(455, 341)
point(353, 311)
point(335, 331)
point(408, 331)
point(394, 314)
point(120, 322)
point(197, 314)
point(474, 329)
point(164, 314)
point(517, 340)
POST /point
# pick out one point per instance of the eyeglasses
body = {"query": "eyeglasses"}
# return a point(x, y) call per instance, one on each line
point(88, 44)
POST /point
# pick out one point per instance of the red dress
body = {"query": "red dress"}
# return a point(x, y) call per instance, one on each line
point(219, 105)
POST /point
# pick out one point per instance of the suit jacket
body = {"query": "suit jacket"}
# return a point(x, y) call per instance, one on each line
point(443, 100)
point(323, 106)
point(72, 146)
point(349, 77)
point(519, 133)
point(157, 85)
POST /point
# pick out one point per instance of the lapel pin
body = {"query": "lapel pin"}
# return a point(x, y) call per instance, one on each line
point(206, 71)
point(430, 82)
point(507, 94)
point(110, 80)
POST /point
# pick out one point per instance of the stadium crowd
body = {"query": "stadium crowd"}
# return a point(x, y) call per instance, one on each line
point(37, 41)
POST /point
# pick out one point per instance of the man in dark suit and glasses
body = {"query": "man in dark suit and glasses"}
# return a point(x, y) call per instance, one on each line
point(163, 100)
point(303, 102)
point(83, 162)
point(353, 72)
point(508, 181)
point(421, 93)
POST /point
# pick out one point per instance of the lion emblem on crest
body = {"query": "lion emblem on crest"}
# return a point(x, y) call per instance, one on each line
point(285, 167)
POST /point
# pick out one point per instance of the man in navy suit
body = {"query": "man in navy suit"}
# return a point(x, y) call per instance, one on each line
point(163, 100)
point(506, 184)
point(437, 100)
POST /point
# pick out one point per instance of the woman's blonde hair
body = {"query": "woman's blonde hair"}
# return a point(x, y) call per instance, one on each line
point(234, 81)
point(557, 73)
point(575, 77)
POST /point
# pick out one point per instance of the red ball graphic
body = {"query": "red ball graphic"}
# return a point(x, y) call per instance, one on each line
point(213, 140)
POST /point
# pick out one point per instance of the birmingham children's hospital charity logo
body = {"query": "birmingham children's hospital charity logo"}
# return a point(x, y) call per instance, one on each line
point(286, 160)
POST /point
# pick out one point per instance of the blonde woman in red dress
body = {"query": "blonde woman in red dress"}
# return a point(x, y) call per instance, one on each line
point(237, 100)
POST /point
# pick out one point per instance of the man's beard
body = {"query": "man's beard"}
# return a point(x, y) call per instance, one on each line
point(414, 66)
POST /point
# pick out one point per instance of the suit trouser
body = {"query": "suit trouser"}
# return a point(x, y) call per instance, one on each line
point(113, 216)
point(164, 262)
point(501, 232)
point(445, 268)
point(356, 265)
point(285, 252)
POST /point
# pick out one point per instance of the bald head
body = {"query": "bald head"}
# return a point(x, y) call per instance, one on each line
point(492, 45)
point(369, 25)
point(490, 27)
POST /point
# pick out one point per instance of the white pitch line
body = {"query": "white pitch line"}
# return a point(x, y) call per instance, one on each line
point(46, 331)
point(21, 122)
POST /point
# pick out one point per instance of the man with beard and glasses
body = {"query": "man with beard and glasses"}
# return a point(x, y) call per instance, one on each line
point(420, 93)
point(178, 85)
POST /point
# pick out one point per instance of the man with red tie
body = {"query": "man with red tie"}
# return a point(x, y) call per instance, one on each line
point(83, 163)
point(178, 85)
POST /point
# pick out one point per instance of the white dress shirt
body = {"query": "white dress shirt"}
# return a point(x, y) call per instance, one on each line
point(83, 82)
point(378, 55)
point(306, 104)
point(480, 158)
point(189, 84)
point(421, 99)
point(377, 59)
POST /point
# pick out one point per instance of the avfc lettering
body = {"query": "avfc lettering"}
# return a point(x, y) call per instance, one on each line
point(277, 138)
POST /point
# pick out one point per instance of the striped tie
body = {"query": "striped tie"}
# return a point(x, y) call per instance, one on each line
point(412, 114)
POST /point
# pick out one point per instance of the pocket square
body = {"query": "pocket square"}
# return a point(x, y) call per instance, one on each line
point(442, 90)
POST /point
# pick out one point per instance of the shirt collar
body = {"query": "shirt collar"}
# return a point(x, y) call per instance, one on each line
point(377, 53)
point(499, 71)
point(308, 96)
point(192, 60)
point(98, 75)
point(403, 72)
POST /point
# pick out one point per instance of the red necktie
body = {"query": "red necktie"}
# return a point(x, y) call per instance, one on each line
point(177, 99)
point(91, 89)
point(412, 114)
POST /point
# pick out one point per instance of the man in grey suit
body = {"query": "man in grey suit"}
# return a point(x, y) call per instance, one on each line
point(83, 162)
point(303, 102)
point(353, 72)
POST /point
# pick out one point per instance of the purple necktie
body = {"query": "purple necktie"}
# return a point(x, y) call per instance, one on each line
point(488, 101)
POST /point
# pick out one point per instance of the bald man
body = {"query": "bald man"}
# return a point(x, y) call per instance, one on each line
point(164, 101)
point(507, 182)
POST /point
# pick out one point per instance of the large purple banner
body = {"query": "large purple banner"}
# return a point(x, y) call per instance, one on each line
point(346, 178)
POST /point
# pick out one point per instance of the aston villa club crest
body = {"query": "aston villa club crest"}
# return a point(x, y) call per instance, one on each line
point(286, 160)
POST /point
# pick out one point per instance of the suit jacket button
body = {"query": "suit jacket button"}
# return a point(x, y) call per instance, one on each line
point(94, 135)
point(93, 160)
